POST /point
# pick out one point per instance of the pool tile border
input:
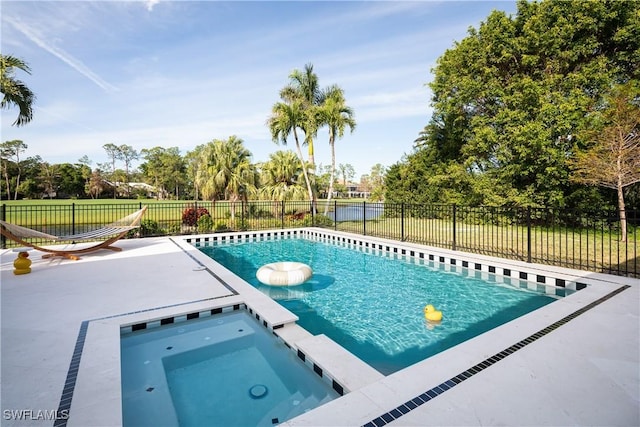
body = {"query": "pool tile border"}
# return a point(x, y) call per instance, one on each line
point(434, 392)
point(64, 406)
point(155, 323)
point(169, 320)
point(501, 274)
point(398, 250)
point(401, 251)
point(393, 248)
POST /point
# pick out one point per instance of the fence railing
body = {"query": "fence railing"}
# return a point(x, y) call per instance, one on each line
point(559, 237)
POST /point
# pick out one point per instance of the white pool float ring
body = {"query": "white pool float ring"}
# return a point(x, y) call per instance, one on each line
point(284, 273)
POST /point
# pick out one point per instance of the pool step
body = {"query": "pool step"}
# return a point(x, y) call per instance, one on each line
point(292, 407)
point(346, 368)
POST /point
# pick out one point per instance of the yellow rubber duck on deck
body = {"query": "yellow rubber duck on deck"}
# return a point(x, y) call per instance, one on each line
point(431, 314)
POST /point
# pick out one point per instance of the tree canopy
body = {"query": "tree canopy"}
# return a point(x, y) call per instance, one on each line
point(511, 104)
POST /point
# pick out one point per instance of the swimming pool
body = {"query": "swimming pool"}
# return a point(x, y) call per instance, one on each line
point(371, 301)
point(225, 369)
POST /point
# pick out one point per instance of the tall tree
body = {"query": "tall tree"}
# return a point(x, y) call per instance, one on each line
point(613, 157)
point(10, 151)
point(15, 92)
point(227, 171)
point(85, 165)
point(376, 182)
point(96, 185)
point(164, 168)
point(304, 86)
point(127, 154)
point(511, 97)
point(337, 116)
point(347, 172)
point(286, 117)
point(48, 179)
point(70, 180)
point(193, 165)
point(113, 152)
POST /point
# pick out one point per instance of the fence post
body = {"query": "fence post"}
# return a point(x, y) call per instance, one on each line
point(402, 221)
point(454, 243)
point(313, 217)
point(73, 218)
point(335, 215)
point(242, 208)
point(3, 216)
point(364, 218)
point(282, 214)
point(528, 233)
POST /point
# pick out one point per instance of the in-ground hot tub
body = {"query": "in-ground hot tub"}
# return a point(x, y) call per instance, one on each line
point(225, 369)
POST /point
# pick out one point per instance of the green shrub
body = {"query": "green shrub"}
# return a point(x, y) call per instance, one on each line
point(317, 221)
point(148, 227)
point(221, 225)
point(174, 229)
point(191, 214)
point(241, 225)
point(255, 211)
point(205, 224)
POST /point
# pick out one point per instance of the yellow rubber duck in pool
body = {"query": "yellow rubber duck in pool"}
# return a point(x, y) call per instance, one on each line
point(431, 314)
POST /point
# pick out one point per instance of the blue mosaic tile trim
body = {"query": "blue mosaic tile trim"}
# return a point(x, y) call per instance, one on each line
point(155, 323)
point(246, 236)
point(72, 372)
point(196, 315)
point(397, 250)
point(72, 375)
point(337, 387)
point(301, 355)
point(410, 405)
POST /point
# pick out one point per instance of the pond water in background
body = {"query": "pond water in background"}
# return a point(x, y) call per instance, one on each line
point(357, 212)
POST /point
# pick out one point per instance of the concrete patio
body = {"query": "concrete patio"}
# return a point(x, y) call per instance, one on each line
point(583, 372)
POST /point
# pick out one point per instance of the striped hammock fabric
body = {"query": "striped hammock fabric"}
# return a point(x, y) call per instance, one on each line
point(120, 226)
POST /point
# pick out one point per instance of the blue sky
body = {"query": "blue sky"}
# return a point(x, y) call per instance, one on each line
point(182, 73)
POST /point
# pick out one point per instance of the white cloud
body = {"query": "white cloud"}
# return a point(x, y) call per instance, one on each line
point(149, 4)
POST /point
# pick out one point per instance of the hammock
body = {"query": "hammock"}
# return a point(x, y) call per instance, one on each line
point(108, 234)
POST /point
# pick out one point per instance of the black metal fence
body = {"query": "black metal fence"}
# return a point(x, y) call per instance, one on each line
point(549, 236)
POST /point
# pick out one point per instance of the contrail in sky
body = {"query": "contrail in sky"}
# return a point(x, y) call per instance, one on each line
point(62, 55)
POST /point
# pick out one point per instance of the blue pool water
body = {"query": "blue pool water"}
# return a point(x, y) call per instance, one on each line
point(373, 304)
point(222, 370)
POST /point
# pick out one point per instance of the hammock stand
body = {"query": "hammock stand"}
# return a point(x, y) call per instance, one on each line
point(109, 233)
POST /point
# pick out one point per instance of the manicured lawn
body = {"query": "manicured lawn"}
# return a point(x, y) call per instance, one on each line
point(596, 249)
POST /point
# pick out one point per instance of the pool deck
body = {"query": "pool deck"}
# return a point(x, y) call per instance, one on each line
point(583, 369)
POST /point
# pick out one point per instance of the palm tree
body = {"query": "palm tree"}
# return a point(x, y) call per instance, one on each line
point(15, 92)
point(337, 116)
point(286, 117)
point(227, 172)
point(281, 177)
point(304, 85)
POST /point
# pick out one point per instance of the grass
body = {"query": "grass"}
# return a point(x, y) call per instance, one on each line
point(588, 249)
